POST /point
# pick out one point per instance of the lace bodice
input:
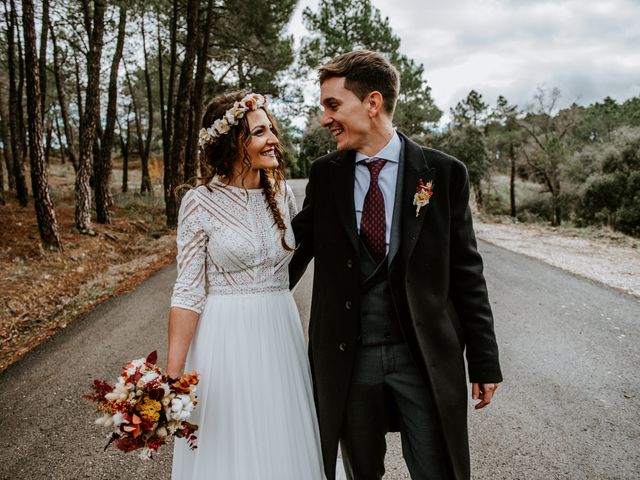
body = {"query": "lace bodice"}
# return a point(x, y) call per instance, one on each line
point(228, 243)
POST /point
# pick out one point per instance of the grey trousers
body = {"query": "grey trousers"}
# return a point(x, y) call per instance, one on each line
point(385, 375)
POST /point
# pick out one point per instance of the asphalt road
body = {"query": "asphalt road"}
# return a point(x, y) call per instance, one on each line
point(569, 407)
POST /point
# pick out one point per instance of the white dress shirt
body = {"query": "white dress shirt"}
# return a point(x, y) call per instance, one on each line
point(386, 181)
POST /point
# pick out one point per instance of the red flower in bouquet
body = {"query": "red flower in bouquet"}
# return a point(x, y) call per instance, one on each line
point(145, 407)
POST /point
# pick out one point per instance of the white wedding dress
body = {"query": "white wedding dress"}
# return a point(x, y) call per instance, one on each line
point(255, 402)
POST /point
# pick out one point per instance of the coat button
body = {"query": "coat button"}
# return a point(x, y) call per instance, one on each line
point(342, 346)
point(347, 305)
point(349, 263)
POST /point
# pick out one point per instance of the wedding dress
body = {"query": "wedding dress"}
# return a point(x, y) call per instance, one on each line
point(255, 409)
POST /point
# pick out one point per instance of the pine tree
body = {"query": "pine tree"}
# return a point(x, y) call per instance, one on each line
point(45, 214)
point(340, 26)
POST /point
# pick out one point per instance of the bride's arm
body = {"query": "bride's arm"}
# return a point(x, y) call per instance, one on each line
point(187, 300)
point(182, 325)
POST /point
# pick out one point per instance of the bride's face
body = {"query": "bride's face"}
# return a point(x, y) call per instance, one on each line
point(261, 147)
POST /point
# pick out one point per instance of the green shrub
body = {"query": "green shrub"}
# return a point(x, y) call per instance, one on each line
point(612, 196)
point(538, 208)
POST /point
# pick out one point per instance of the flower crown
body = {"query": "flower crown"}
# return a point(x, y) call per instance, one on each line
point(221, 126)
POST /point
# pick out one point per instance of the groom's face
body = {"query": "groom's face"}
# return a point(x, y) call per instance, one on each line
point(345, 115)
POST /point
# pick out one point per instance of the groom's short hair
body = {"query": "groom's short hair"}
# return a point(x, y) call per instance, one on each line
point(365, 71)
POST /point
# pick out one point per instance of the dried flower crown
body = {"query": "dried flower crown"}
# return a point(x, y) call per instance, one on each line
point(231, 117)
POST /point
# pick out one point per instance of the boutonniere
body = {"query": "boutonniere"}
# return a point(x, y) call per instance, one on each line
point(423, 195)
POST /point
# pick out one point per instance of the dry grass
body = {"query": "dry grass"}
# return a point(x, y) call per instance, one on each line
point(42, 292)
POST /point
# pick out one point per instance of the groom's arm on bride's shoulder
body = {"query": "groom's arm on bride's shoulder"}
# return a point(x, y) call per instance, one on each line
point(468, 289)
point(302, 225)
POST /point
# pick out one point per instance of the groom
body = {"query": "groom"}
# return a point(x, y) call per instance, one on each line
point(398, 291)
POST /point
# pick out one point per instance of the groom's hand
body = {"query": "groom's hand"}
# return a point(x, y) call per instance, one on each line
point(483, 392)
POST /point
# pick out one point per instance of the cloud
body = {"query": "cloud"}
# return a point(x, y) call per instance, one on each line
point(589, 50)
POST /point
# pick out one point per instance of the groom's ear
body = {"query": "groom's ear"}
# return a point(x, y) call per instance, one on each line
point(375, 101)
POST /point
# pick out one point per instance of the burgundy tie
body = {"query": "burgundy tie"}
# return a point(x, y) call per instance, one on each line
point(373, 222)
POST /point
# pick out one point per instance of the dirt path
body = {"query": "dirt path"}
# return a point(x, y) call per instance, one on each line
point(600, 255)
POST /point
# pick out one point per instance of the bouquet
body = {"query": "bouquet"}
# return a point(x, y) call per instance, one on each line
point(145, 406)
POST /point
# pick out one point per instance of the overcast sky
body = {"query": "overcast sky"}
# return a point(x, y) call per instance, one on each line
point(587, 48)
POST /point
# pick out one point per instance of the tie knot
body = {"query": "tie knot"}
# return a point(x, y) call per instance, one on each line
point(374, 168)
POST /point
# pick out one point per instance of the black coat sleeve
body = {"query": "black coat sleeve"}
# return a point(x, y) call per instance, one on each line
point(468, 290)
point(302, 225)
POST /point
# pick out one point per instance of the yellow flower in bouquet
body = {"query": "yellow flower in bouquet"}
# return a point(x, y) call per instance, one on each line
point(149, 409)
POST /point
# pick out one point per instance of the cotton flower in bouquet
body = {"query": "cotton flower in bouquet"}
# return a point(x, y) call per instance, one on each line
point(145, 406)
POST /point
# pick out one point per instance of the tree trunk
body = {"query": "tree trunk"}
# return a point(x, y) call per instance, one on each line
point(3, 131)
point(179, 141)
point(68, 129)
point(39, 179)
point(47, 148)
point(2, 201)
point(197, 106)
point(86, 16)
point(92, 104)
point(512, 181)
point(163, 126)
point(63, 155)
point(102, 167)
point(557, 207)
point(22, 129)
point(14, 106)
point(145, 185)
point(170, 207)
point(124, 147)
point(6, 142)
point(138, 123)
point(78, 91)
point(44, 31)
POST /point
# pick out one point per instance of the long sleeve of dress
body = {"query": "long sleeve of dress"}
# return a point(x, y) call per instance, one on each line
point(190, 288)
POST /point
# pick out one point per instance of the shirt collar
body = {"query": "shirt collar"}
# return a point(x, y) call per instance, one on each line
point(390, 152)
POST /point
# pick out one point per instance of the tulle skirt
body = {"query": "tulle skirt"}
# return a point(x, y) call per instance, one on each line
point(255, 402)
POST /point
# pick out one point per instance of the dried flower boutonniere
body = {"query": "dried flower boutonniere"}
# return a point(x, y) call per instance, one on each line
point(423, 195)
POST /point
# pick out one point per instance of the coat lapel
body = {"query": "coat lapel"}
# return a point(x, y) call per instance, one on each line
point(342, 182)
point(415, 168)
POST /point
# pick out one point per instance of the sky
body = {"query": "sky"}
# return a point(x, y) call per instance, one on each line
point(589, 49)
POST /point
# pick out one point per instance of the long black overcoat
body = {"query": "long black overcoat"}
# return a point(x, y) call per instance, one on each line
point(436, 282)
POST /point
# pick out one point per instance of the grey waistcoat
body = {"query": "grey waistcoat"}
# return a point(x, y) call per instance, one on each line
point(379, 323)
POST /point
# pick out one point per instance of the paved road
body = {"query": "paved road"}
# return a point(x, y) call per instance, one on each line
point(569, 407)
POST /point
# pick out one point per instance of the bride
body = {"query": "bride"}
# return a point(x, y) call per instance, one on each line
point(232, 316)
